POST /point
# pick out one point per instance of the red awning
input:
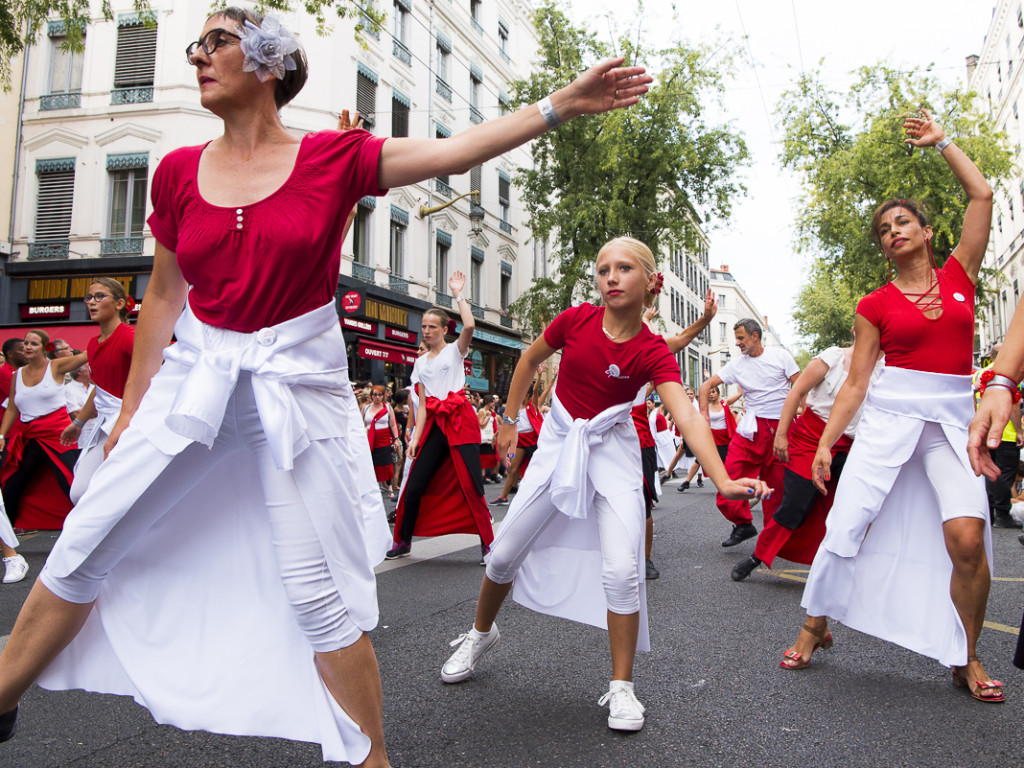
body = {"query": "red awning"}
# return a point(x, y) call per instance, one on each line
point(389, 353)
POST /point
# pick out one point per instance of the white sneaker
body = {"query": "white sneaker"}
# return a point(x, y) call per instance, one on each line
point(15, 568)
point(471, 647)
point(625, 713)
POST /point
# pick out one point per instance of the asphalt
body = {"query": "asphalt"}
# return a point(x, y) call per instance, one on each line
point(714, 693)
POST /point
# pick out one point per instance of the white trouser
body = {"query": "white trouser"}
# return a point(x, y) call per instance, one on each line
point(949, 479)
point(619, 556)
point(88, 462)
point(319, 610)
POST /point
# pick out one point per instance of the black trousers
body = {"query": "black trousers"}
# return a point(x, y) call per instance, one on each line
point(429, 457)
point(1007, 458)
point(33, 458)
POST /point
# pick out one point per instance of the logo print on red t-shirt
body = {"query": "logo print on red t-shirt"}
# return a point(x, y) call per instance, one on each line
point(614, 372)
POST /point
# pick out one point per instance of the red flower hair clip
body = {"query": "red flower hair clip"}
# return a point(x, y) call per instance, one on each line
point(129, 303)
point(658, 283)
point(51, 347)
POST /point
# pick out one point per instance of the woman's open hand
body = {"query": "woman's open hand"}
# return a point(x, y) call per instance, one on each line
point(923, 131)
point(457, 282)
point(606, 86)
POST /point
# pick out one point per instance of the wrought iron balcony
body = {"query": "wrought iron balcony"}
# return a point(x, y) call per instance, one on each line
point(49, 249)
point(506, 321)
point(398, 284)
point(477, 27)
point(504, 56)
point(442, 188)
point(363, 272)
point(142, 94)
point(369, 26)
point(402, 53)
point(477, 310)
point(442, 299)
point(443, 89)
point(120, 246)
point(505, 227)
point(475, 115)
point(60, 101)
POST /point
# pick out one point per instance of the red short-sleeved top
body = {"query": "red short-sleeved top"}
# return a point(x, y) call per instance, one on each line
point(596, 372)
point(661, 423)
point(257, 265)
point(911, 340)
point(643, 426)
point(111, 359)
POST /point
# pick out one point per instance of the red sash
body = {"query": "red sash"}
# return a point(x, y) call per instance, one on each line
point(451, 503)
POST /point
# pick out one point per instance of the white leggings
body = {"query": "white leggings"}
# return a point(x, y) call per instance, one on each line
point(953, 485)
point(154, 477)
point(619, 554)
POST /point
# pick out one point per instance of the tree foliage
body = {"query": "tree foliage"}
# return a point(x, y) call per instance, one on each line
point(22, 20)
point(849, 151)
point(651, 171)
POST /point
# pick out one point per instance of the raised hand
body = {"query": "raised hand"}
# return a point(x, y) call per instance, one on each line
point(710, 304)
point(347, 124)
point(457, 282)
point(923, 131)
point(606, 86)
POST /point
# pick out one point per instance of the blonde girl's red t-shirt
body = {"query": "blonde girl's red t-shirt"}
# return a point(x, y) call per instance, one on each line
point(596, 372)
point(111, 359)
point(257, 265)
point(911, 340)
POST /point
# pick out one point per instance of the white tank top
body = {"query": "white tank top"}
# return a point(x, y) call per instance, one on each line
point(381, 417)
point(44, 398)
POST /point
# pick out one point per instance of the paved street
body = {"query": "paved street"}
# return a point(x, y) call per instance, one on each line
point(712, 687)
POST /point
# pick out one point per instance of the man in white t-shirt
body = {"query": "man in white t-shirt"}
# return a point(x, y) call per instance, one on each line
point(765, 375)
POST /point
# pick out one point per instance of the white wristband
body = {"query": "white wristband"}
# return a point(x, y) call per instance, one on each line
point(943, 144)
point(547, 111)
point(458, 298)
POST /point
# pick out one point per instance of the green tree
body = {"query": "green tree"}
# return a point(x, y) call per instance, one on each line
point(21, 20)
point(652, 171)
point(849, 151)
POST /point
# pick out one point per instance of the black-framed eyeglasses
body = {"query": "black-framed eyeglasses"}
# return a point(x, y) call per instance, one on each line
point(97, 297)
point(210, 42)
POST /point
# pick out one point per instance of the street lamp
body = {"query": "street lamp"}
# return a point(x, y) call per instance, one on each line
point(476, 213)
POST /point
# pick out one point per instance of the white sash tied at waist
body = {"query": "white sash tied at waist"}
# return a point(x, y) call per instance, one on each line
point(940, 397)
point(572, 490)
point(108, 408)
point(747, 426)
point(305, 352)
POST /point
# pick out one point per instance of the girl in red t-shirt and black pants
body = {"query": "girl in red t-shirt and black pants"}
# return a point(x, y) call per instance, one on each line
point(574, 535)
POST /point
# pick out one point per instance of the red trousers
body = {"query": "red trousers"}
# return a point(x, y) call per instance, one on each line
point(753, 458)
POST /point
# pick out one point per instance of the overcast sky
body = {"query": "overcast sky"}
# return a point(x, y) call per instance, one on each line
point(757, 243)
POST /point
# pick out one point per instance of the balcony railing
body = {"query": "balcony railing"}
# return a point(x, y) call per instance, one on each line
point(505, 227)
point(369, 26)
point(442, 188)
point(506, 321)
point(60, 101)
point(363, 272)
point(478, 27)
point(49, 249)
point(504, 56)
point(120, 246)
point(477, 310)
point(142, 94)
point(402, 53)
point(443, 89)
point(398, 284)
point(442, 299)
point(475, 115)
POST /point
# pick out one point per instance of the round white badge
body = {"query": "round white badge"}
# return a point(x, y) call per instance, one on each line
point(265, 337)
point(959, 296)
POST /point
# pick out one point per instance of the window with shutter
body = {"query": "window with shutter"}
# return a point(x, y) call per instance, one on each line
point(400, 105)
point(503, 202)
point(135, 62)
point(53, 209)
point(366, 97)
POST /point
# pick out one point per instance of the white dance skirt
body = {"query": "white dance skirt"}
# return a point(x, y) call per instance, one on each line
point(193, 621)
point(666, 448)
point(576, 459)
point(883, 568)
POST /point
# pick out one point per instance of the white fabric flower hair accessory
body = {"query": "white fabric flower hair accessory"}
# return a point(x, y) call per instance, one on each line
point(267, 49)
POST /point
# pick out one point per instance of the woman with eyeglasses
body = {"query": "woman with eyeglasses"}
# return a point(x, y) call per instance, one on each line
point(246, 429)
point(110, 359)
point(38, 406)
